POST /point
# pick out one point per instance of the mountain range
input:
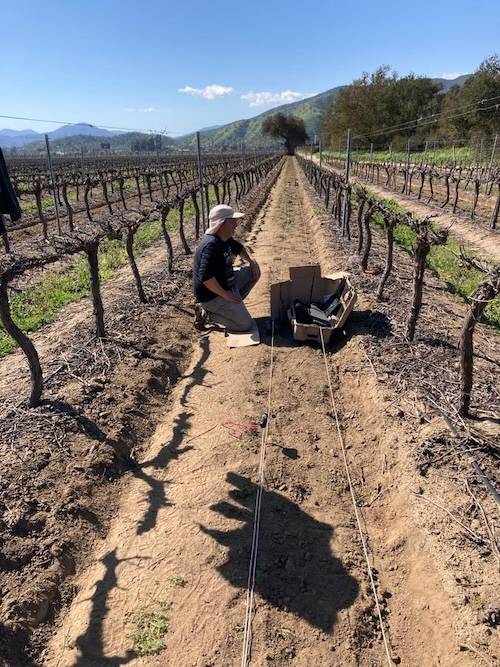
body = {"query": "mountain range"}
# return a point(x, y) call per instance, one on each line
point(17, 138)
point(245, 133)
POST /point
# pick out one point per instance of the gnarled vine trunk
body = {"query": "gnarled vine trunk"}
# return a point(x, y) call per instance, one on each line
point(24, 343)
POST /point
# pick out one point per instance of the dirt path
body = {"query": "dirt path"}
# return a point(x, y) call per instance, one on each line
point(475, 235)
point(184, 527)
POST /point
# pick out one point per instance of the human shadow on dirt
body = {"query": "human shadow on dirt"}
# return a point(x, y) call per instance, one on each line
point(156, 494)
point(296, 570)
point(91, 642)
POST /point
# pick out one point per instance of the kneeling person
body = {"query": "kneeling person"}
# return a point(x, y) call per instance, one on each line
point(220, 289)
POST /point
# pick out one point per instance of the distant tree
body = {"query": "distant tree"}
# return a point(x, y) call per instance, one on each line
point(377, 101)
point(144, 144)
point(288, 127)
point(484, 84)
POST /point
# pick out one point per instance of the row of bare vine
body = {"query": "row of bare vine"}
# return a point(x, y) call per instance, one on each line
point(472, 190)
point(338, 196)
point(87, 236)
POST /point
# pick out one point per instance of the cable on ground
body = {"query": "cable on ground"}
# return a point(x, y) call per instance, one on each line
point(247, 636)
point(356, 511)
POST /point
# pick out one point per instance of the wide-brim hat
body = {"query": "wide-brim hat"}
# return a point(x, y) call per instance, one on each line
point(218, 214)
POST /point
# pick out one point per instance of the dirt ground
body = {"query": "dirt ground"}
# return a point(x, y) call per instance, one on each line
point(158, 460)
point(182, 532)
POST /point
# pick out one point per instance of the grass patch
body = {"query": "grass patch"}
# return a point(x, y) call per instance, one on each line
point(462, 154)
point(42, 302)
point(444, 262)
point(176, 581)
point(28, 206)
point(149, 627)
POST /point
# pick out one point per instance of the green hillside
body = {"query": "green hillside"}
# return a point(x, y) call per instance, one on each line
point(248, 131)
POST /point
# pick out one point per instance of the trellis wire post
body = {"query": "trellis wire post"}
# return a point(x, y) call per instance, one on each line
point(348, 155)
point(347, 171)
point(200, 176)
point(493, 150)
point(320, 153)
point(407, 188)
point(52, 178)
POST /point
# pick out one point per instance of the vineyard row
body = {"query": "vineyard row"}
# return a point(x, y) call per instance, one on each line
point(87, 236)
point(339, 196)
point(472, 190)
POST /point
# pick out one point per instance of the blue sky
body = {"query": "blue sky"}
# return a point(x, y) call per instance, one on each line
point(123, 63)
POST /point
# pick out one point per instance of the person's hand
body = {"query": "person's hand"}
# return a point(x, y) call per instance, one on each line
point(232, 297)
point(255, 269)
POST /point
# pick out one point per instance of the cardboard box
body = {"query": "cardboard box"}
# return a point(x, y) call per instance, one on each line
point(308, 285)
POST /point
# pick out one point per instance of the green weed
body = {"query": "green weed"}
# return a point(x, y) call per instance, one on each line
point(177, 581)
point(149, 626)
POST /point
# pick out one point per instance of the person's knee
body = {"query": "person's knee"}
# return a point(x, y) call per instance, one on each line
point(243, 323)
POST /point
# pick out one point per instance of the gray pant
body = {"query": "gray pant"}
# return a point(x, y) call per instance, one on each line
point(233, 316)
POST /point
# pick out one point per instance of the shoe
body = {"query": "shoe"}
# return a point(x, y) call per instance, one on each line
point(200, 317)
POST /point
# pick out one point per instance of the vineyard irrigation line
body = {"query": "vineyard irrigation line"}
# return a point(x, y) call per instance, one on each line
point(247, 637)
point(355, 505)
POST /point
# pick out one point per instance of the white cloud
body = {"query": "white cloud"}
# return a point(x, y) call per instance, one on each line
point(266, 99)
point(452, 75)
point(209, 92)
point(141, 109)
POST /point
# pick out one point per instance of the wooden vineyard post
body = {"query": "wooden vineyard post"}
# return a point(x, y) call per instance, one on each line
point(53, 179)
point(346, 222)
point(487, 291)
point(131, 232)
point(91, 250)
point(24, 343)
point(423, 245)
point(347, 171)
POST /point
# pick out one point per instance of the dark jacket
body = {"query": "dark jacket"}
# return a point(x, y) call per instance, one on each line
point(8, 199)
